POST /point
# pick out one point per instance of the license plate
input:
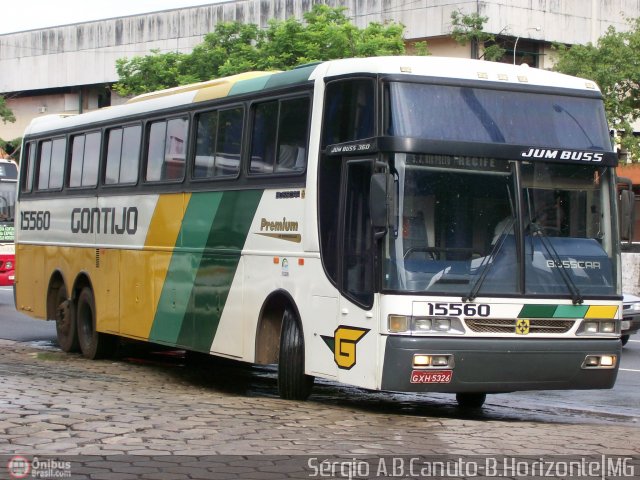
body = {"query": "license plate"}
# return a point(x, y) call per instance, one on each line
point(431, 376)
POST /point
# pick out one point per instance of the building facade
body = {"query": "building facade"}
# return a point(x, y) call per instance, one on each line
point(69, 68)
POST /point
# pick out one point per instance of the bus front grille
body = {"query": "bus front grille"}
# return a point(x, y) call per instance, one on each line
point(536, 325)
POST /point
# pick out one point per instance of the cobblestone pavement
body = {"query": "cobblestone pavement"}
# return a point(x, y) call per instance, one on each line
point(53, 403)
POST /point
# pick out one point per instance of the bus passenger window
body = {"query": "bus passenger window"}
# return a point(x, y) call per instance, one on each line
point(30, 157)
point(44, 165)
point(123, 153)
point(263, 141)
point(280, 132)
point(85, 156)
point(51, 164)
point(218, 140)
point(167, 150)
point(292, 135)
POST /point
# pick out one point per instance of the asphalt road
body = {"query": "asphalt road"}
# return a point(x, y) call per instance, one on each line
point(620, 404)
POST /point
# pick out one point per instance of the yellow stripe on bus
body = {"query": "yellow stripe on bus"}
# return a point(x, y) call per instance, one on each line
point(222, 88)
point(602, 311)
point(146, 270)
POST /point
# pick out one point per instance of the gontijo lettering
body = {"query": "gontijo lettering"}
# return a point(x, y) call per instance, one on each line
point(114, 221)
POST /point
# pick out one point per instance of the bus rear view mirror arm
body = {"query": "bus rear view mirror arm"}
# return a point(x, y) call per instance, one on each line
point(382, 203)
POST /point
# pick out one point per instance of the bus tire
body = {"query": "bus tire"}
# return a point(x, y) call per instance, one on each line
point(293, 384)
point(470, 400)
point(624, 339)
point(93, 344)
point(64, 316)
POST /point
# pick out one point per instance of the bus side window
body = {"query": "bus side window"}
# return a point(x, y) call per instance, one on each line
point(279, 136)
point(123, 153)
point(51, 164)
point(218, 141)
point(30, 157)
point(293, 131)
point(348, 111)
point(263, 139)
point(166, 155)
point(85, 157)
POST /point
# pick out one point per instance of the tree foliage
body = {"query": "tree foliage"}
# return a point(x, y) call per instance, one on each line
point(614, 64)
point(233, 47)
point(5, 112)
point(469, 28)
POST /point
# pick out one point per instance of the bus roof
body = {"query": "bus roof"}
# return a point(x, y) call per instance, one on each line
point(440, 67)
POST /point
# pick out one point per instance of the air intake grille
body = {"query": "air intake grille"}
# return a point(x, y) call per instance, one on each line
point(536, 325)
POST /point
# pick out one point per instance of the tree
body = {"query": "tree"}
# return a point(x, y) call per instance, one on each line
point(614, 64)
point(5, 112)
point(234, 47)
point(469, 28)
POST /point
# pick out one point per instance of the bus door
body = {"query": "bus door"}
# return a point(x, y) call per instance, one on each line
point(355, 335)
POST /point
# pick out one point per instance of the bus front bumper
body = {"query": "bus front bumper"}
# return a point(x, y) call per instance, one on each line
point(494, 365)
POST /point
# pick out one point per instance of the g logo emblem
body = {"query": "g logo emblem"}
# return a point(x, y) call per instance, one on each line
point(343, 345)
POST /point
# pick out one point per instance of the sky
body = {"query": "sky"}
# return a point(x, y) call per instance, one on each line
point(20, 15)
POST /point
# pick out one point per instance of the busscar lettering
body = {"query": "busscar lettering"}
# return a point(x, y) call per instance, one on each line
point(106, 220)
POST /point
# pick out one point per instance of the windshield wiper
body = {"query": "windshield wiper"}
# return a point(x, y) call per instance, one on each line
point(488, 262)
point(576, 296)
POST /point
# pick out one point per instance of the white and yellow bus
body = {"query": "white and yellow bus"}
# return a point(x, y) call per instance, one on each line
point(413, 224)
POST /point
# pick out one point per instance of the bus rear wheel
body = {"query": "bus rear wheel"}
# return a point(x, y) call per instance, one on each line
point(66, 331)
point(93, 344)
point(293, 384)
point(470, 400)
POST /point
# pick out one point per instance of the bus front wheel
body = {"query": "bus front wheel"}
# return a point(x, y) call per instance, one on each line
point(93, 344)
point(293, 384)
point(66, 331)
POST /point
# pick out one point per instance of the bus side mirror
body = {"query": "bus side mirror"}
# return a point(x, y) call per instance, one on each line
point(382, 203)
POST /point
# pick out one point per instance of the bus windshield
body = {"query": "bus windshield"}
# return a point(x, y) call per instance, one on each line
point(458, 218)
point(459, 113)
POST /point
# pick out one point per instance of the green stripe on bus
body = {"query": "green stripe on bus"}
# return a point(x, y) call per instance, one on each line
point(571, 311)
point(178, 284)
point(214, 232)
point(297, 75)
point(249, 85)
point(537, 311)
point(218, 268)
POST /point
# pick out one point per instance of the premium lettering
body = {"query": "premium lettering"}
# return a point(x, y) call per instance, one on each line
point(278, 226)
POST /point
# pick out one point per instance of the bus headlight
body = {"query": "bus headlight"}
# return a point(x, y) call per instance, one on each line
point(435, 361)
point(424, 325)
point(398, 323)
point(599, 327)
point(599, 361)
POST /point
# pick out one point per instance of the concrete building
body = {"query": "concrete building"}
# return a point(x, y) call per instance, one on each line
point(69, 68)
